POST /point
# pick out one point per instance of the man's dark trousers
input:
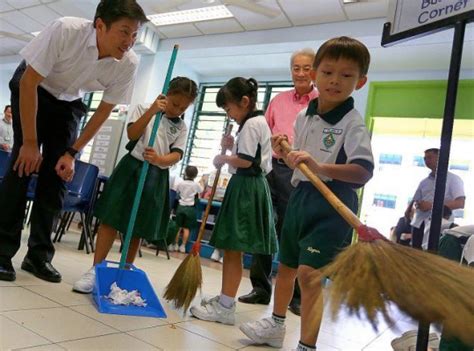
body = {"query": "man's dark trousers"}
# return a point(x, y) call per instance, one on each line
point(279, 180)
point(57, 126)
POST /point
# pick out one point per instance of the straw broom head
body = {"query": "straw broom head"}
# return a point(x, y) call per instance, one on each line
point(369, 275)
point(187, 279)
point(374, 272)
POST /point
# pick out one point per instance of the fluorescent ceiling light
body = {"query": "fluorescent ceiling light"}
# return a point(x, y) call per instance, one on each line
point(193, 15)
point(35, 33)
point(349, 1)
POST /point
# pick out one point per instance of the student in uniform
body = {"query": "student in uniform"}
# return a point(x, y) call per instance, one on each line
point(245, 220)
point(188, 191)
point(332, 140)
point(281, 115)
point(70, 57)
point(115, 204)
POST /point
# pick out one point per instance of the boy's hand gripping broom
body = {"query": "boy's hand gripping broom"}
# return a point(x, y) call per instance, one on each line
point(373, 272)
point(187, 279)
point(132, 278)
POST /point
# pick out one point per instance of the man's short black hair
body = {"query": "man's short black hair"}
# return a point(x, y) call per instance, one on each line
point(111, 11)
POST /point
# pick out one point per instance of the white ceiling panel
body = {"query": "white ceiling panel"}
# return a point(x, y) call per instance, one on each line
point(364, 10)
point(253, 21)
point(179, 31)
point(11, 44)
point(68, 8)
point(307, 12)
point(5, 7)
point(20, 4)
point(42, 14)
point(219, 26)
point(7, 27)
point(20, 20)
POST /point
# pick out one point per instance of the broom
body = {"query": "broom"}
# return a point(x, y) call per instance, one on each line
point(187, 279)
point(374, 272)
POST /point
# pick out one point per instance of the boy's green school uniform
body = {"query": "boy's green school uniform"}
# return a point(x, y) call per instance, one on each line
point(115, 204)
point(245, 220)
point(313, 233)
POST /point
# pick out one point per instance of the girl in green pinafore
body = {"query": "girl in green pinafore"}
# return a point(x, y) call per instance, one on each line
point(114, 206)
point(245, 220)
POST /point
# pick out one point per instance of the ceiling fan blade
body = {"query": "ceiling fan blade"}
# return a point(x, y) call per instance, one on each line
point(254, 7)
point(16, 36)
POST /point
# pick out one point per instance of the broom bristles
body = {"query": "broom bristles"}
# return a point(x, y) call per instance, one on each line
point(185, 283)
point(367, 276)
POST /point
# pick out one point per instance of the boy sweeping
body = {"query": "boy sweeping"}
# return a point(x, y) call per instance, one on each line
point(331, 139)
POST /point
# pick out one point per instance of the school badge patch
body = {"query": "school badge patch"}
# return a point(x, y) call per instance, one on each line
point(329, 141)
point(173, 130)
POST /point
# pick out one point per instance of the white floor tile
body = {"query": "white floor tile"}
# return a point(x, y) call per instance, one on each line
point(19, 298)
point(14, 336)
point(108, 342)
point(171, 337)
point(59, 324)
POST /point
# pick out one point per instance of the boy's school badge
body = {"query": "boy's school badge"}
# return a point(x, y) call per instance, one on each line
point(173, 130)
point(329, 141)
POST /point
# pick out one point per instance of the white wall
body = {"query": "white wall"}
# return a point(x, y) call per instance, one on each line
point(5, 76)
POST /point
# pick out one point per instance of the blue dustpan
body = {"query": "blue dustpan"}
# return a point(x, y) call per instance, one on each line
point(108, 272)
point(133, 278)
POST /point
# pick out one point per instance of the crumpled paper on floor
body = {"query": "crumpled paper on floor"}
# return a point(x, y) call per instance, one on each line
point(119, 296)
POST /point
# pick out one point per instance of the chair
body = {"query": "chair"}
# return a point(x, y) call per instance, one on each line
point(4, 163)
point(80, 198)
point(30, 197)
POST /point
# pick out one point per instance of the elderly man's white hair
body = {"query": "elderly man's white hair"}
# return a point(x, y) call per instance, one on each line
point(303, 52)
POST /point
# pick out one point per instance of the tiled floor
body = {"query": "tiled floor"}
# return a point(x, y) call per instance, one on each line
point(36, 315)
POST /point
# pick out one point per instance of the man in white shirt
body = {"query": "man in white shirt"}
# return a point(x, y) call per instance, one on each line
point(454, 197)
point(6, 130)
point(70, 57)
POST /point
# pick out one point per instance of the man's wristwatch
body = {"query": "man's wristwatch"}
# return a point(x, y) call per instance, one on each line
point(71, 151)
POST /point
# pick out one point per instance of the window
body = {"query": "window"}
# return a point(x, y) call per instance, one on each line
point(384, 200)
point(418, 161)
point(390, 159)
point(208, 123)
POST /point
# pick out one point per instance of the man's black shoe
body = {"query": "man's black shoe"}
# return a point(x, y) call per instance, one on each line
point(255, 297)
point(7, 272)
point(295, 307)
point(41, 269)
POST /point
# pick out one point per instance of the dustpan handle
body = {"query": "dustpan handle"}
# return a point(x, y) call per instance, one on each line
point(144, 171)
point(196, 246)
point(333, 200)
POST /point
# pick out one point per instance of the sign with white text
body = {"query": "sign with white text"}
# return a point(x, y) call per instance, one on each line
point(411, 18)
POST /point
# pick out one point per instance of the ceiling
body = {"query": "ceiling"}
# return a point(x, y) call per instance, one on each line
point(21, 17)
point(251, 42)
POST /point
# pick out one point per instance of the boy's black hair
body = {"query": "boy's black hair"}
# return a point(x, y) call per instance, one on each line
point(111, 11)
point(190, 173)
point(235, 89)
point(183, 86)
point(346, 48)
point(433, 150)
point(6, 106)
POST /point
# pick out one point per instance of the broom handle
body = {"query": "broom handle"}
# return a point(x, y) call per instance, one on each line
point(228, 130)
point(144, 171)
point(333, 200)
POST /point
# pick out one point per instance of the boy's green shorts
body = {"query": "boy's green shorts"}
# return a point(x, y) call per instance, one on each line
point(313, 233)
